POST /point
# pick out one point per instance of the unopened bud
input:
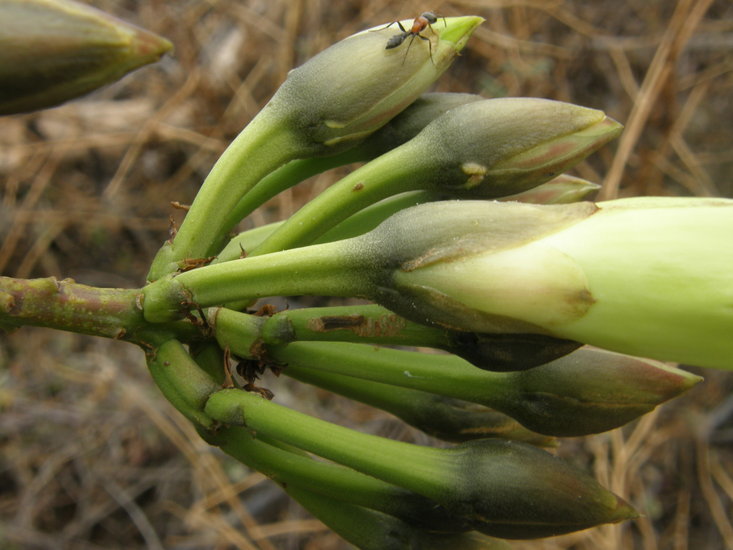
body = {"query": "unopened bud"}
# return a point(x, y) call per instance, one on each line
point(643, 276)
point(498, 147)
point(591, 391)
point(517, 491)
point(53, 51)
point(560, 190)
point(354, 87)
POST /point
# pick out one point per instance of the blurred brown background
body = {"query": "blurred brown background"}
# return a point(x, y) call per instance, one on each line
point(91, 457)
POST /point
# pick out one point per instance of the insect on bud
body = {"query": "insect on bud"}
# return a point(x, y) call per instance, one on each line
point(355, 86)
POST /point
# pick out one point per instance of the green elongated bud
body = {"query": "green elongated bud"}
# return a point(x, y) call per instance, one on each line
point(562, 189)
point(589, 391)
point(644, 276)
point(355, 86)
point(488, 148)
point(372, 530)
point(53, 51)
point(506, 489)
point(442, 417)
point(325, 106)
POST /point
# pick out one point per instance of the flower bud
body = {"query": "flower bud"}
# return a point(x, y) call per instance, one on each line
point(560, 190)
point(412, 120)
point(355, 86)
point(325, 106)
point(591, 391)
point(517, 491)
point(498, 147)
point(643, 276)
point(53, 51)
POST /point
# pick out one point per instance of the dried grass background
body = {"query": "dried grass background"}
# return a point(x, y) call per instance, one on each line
point(92, 457)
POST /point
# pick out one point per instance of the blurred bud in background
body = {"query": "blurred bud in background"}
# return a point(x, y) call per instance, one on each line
point(53, 51)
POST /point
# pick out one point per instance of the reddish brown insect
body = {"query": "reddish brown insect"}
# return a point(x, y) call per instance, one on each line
point(423, 21)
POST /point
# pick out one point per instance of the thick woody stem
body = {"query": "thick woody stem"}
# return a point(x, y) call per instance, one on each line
point(70, 306)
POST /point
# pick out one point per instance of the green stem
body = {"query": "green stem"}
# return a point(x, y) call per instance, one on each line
point(445, 375)
point(353, 226)
point(70, 306)
point(332, 481)
point(442, 417)
point(286, 177)
point(264, 145)
point(370, 323)
point(332, 269)
point(183, 383)
point(395, 172)
point(409, 466)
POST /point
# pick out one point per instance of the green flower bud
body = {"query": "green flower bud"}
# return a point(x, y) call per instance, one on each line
point(643, 276)
point(53, 51)
point(502, 146)
point(591, 391)
point(517, 491)
point(351, 89)
point(560, 190)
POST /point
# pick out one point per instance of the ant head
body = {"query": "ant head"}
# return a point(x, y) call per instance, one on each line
point(429, 16)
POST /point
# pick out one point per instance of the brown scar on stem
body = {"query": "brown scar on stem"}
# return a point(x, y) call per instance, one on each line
point(385, 325)
point(192, 263)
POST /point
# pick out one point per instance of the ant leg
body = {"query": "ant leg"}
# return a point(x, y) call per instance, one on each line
point(388, 26)
point(412, 39)
point(430, 45)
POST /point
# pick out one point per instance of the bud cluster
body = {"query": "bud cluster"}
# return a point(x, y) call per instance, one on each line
point(471, 240)
point(464, 230)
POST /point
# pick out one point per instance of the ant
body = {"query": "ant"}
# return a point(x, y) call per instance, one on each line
point(423, 21)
